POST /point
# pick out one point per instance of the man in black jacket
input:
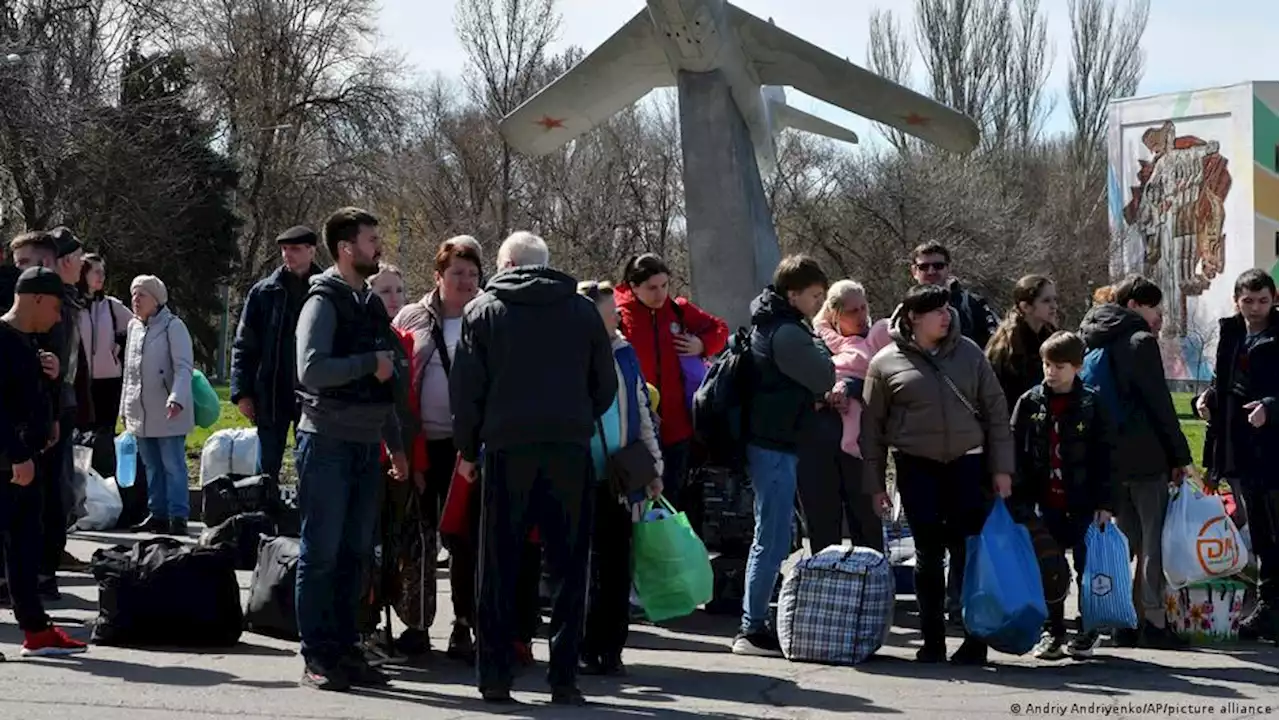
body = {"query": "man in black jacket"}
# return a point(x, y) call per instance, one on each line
point(1154, 454)
point(532, 373)
point(1242, 446)
point(264, 375)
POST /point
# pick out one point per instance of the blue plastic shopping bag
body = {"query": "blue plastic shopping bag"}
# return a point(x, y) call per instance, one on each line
point(1106, 590)
point(1003, 597)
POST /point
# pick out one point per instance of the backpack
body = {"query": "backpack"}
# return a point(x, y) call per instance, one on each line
point(1098, 372)
point(271, 609)
point(162, 592)
point(720, 406)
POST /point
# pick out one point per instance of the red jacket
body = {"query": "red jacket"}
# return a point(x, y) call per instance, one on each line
point(417, 453)
point(652, 334)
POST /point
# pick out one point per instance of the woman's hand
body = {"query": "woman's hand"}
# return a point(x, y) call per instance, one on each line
point(1101, 517)
point(1003, 484)
point(172, 410)
point(689, 345)
point(881, 504)
point(654, 489)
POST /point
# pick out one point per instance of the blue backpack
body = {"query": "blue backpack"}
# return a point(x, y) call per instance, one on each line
point(1098, 373)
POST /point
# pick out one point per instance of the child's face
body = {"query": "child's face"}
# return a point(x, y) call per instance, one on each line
point(1059, 375)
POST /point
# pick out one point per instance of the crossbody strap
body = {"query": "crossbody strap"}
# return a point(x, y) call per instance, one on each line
point(964, 400)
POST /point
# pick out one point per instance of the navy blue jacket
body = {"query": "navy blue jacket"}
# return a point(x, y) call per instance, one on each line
point(264, 340)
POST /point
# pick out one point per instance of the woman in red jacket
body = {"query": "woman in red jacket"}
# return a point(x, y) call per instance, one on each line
point(673, 338)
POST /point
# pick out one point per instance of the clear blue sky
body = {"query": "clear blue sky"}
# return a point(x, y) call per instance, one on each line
point(1190, 44)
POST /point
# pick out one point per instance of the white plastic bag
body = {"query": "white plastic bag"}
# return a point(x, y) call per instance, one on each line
point(1199, 541)
point(102, 503)
point(229, 452)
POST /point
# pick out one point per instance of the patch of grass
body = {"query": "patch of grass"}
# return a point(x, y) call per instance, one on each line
point(228, 419)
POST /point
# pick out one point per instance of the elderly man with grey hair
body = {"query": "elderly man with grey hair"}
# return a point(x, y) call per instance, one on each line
point(532, 373)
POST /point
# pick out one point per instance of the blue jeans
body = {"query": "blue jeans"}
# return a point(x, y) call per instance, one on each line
point(773, 478)
point(338, 490)
point(166, 461)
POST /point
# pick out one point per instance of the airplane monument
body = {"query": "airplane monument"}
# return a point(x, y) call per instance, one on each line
point(729, 68)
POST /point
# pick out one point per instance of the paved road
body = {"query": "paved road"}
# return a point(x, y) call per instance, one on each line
point(676, 672)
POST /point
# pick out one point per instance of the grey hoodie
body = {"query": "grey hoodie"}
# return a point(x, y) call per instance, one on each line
point(910, 407)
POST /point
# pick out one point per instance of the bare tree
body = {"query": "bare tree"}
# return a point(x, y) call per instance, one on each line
point(1030, 63)
point(1107, 62)
point(889, 55)
point(506, 42)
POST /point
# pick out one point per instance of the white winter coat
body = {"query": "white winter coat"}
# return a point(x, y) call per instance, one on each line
point(158, 362)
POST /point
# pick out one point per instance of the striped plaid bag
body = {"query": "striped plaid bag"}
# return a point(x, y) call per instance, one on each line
point(836, 607)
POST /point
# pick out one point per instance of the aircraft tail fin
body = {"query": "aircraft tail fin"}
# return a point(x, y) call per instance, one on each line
point(786, 116)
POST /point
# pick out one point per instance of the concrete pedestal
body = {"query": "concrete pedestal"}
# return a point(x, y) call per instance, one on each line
point(733, 246)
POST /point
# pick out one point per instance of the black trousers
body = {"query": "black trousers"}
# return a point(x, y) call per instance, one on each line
point(20, 528)
point(1068, 530)
point(609, 607)
point(549, 486)
point(1260, 507)
point(53, 468)
point(944, 504)
point(829, 483)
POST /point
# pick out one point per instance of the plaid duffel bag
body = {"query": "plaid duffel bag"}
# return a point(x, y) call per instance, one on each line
point(836, 607)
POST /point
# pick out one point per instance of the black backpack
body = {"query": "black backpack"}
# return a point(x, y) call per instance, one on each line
point(721, 404)
point(228, 495)
point(162, 592)
point(240, 534)
point(271, 610)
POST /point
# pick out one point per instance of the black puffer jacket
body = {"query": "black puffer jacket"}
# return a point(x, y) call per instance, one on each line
point(1147, 427)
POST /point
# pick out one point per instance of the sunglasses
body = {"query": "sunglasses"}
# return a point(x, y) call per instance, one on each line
point(931, 266)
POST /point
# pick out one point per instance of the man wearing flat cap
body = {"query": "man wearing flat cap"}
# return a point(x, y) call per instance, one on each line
point(264, 373)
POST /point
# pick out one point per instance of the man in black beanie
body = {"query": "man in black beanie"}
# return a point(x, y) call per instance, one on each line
point(264, 373)
point(26, 429)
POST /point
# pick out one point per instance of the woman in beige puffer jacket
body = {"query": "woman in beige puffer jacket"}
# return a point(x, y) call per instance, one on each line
point(934, 399)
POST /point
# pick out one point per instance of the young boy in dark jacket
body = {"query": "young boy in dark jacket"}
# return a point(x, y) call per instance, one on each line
point(1063, 436)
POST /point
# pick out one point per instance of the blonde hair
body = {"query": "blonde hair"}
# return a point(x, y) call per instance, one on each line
point(836, 295)
point(595, 290)
point(386, 269)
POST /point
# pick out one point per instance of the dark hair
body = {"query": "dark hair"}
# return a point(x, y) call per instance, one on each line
point(1140, 290)
point(1007, 343)
point(90, 260)
point(39, 239)
point(923, 299)
point(344, 226)
point(1063, 347)
point(932, 247)
point(451, 250)
point(797, 273)
point(639, 268)
point(595, 290)
point(1254, 280)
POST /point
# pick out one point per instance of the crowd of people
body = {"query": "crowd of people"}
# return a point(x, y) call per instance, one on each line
point(542, 395)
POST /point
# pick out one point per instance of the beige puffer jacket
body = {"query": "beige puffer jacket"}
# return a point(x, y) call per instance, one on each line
point(910, 408)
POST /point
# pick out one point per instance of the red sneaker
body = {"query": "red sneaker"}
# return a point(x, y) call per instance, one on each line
point(51, 642)
point(524, 654)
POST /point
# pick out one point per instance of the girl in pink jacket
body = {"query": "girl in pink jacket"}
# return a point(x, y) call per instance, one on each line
point(845, 326)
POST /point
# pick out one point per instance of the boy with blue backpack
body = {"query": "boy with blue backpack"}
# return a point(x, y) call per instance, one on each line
point(1124, 365)
point(1063, 434)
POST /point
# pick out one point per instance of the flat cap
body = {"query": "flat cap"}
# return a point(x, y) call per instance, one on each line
point(298, 235)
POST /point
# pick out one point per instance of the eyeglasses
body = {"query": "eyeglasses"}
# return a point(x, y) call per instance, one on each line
point(931, 266)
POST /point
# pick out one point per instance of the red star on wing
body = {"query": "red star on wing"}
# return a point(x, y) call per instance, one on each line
point(916, 119)
point(549, 123)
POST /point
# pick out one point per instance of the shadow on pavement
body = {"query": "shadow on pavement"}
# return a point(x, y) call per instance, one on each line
point(158, 674)
point(643, 638)
point(1106, 675)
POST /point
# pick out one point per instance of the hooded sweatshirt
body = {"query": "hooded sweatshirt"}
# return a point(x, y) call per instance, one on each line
point(851, 355)
point(534, 364)
point(911, 408)
point(1150, 438)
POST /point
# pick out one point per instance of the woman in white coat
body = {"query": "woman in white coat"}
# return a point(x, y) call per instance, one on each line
point(156, 402)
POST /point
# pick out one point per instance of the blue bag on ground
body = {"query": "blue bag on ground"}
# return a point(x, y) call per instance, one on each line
point(1003, 597)
point(1106, 590)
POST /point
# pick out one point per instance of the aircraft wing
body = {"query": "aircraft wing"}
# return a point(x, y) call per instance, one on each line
point(781, 58)
point(619, 72)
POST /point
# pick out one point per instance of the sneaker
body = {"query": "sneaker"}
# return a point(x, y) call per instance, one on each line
point(153, 524)
point(1125, 638)
point(359, 672)
point(325, 676)
point(374, 652)
point(461, 647)
point(71, 563)
point(971, 652)
point(1083, 645)
point(178, 527)
point(1260, 625)
point(757, 644)
point(1160, 638)
point(1050, 647)
point(931, 654)
point(497, 695)
point(51, 642)
point(47, 589)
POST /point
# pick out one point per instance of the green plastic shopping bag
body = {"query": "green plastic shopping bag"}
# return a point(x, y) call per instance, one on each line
point(671, 569)
point(205, 398)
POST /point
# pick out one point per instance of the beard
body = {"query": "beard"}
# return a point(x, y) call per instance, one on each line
point(367, 266)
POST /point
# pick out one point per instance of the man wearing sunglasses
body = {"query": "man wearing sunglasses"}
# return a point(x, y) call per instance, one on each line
point(931, 265)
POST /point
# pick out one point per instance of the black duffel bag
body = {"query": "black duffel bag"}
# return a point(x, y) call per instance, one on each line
point(162, 592)
point(229, 495)
point(271, 610)
point(240, 534)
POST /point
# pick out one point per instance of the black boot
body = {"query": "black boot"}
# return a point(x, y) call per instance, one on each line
point(153, 524)
point(461, 647)
point(178, 527)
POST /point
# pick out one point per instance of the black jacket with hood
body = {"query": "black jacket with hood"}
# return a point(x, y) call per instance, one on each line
point(534, 364)
point(1150, 442)
point(1233, 447)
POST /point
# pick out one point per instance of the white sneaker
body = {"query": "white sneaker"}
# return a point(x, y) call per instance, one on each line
point(1050, 648)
